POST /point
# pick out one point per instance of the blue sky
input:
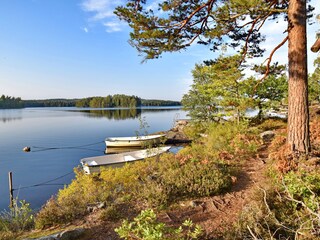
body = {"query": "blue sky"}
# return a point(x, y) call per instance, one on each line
point(77, 48)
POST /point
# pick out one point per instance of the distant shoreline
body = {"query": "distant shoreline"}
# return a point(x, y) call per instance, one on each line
point(110, 101)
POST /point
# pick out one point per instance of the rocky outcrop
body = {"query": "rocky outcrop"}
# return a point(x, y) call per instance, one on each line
point(176, 134)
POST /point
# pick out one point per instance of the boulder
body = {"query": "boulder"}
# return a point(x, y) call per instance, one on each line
point(71, 234)
point(267, 136)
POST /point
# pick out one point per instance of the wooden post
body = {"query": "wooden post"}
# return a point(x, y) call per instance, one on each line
point(10, 189)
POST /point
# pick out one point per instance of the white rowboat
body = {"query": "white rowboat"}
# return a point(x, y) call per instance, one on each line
point(137, 141)
point(93, 164)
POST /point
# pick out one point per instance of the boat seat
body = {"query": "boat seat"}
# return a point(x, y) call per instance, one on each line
point(129, 158)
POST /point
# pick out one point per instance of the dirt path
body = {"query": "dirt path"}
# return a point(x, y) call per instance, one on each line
point(217, 214)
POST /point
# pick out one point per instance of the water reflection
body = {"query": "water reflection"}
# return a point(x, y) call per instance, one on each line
point(116, 114)
point(8, 115)
point(120, 113)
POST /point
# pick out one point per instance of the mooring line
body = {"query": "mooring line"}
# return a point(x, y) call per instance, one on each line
point(46, 183)
point(83, 147)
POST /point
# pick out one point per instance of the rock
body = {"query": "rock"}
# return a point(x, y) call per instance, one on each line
point(102, 205)
point(65, 235)
point(71, 234)
point(267, 136)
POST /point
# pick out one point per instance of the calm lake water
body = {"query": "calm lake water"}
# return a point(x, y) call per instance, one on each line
point(57, 128)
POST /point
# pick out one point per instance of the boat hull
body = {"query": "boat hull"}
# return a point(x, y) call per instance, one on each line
point(138, 141)
point(93, 164)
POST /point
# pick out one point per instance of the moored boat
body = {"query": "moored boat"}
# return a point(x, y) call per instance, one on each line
point(93, 164)
point(136, 141)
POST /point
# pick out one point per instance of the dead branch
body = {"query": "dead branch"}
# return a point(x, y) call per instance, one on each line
point(316, 46)
point(269, 62)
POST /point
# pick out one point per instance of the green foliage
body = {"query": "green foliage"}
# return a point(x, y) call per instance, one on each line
point(111, 213)
point(146, 227)
point(118, 100)
point(17, 218)
point(180, 178)
point(195, 129)
point(10, 102)
point(217, 84)
point(50, 103)
point(288, 209)
point(228, 141)
point(219, 90)
point(314, 82)
point(72, 201)
point(270, 93)
point(174, 25)
point(305, 187)
point(154, 102)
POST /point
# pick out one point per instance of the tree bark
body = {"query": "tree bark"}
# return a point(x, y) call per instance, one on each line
point(298, 113)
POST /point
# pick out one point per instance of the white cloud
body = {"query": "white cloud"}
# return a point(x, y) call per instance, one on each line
point(101, 11)
point(86, 29)
point(113, 26)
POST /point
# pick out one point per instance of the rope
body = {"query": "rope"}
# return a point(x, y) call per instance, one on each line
point(70, 147)
point(46, 183)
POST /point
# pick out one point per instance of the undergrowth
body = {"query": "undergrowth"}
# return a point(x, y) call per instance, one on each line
point(203, 169)
point(17, 219)
point(146, 226)
point(289, 207)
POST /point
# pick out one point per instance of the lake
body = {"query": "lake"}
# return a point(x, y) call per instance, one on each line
point(59, 138)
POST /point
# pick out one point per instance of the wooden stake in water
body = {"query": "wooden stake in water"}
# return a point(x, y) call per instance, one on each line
point(10, 189)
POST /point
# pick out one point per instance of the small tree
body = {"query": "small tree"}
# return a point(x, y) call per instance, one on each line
point(220, 85)
point(217, 85)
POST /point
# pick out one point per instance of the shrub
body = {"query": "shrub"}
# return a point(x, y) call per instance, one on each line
point(229, 141)
point(146, 227)
point(173, 180)
point(111, 213)
point(17, 218)
point(72, 201)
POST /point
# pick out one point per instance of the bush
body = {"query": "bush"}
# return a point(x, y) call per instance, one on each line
point(72, 201)
point(17, 218)
point(173, 180)
point(146, 227)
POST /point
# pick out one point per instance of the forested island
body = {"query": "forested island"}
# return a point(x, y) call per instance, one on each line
point(117, 100)
point(10, 102)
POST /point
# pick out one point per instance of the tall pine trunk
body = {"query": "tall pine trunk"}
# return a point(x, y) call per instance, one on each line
point(298, 112)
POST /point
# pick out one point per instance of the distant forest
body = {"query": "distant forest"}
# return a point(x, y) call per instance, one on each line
point(10, 102)
point(118, 100)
